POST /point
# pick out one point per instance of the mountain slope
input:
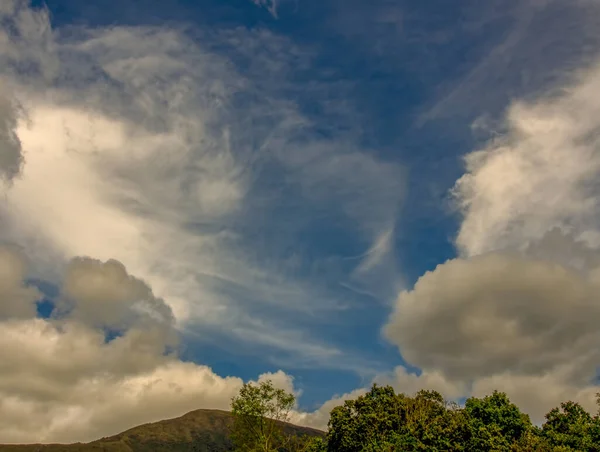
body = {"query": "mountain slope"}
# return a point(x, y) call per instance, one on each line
point(197, 431)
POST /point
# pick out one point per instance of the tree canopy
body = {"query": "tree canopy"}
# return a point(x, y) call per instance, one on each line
point(383, 421)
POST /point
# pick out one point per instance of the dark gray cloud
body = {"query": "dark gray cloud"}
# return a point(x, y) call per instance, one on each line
point(11, 153)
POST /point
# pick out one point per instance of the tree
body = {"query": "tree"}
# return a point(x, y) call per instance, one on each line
point(258, 411)
point(382, 421)
point(365, 422)
point(495, 423)
point(572, 428)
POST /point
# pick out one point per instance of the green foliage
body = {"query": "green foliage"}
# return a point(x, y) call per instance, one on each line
point(495, 423)
point(570, 427)
point(316, 444)
point(258, 411)
point(382, 421)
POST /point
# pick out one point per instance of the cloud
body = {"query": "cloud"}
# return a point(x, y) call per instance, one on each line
point(270, 5)
point(139, 139)
point(68, 385)
point(516, 311)
point(520, 322)
point(145, 165)
point(406, 382)
point(513, 54)
point(280, 380)
point(105, 295)
point(498, 312)
point(26, 42)
point(539, 175)
point(320, 417)
point(537, 394)
point(17, 300)
point(63, 381)
point(11, 157)
point(400, 378)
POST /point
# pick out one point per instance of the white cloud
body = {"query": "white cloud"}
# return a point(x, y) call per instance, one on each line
point(400, 379)
point(541, 174)
point(410, 383)
point(516, 62)
point(536, 395)
point(138, 149)
point(139, 159)
point(518, 310)
point(269, 5)
point(280, 380)
point(320, 417)
point(61, 381)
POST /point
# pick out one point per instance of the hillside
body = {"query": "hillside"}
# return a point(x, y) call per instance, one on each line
point(198, 431)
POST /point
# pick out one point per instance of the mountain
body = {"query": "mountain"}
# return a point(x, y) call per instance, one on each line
point(197, 431)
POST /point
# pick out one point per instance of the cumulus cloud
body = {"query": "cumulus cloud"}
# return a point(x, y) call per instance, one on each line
point(499, 312)
point(17, 300)
point(103, 294)
point(320, 417)
point(537, 394)
point(540, 175)
point(66, 384)
point(63, 381)
point(410, 383)
point(517, 310)
point(511, 321)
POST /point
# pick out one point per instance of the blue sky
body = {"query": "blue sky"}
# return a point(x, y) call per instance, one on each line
point(281, 175)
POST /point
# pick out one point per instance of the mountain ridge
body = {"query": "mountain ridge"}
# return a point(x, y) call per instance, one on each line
point(202, 430)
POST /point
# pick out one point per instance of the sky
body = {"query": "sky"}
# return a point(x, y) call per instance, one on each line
point(327, 194)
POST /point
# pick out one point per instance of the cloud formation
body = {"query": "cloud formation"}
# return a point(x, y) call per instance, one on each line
point(269, 5)
point(539, 175)
point(105, 296)
point(17, 300)
point(517, 311)
point(11, 157)
point(186, 158)
point(500, 312)
point(144, 133)
point(146, 151)
point(504, 321)
point(63, 380)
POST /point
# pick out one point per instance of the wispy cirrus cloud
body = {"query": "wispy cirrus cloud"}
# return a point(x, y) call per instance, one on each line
point(147, 145)
point(270, 5)
point(519, 57)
